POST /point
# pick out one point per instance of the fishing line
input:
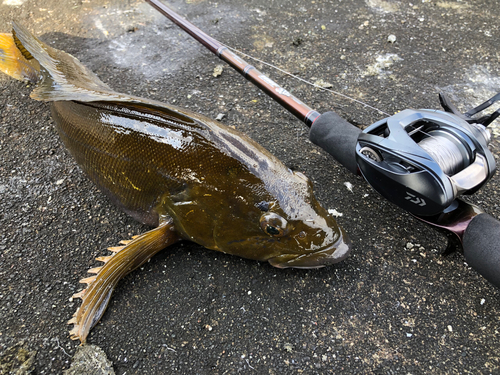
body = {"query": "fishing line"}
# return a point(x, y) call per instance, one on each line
point(447, 161)
point(321, 88)
point(306, 81)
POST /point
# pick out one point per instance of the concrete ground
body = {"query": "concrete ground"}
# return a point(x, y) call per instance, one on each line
point(396, 306)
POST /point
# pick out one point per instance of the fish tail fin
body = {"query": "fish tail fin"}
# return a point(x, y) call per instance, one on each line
point(125, 259)
point(62, 76)
point(16, 62)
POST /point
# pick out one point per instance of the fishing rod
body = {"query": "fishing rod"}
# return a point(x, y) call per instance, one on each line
point(421, 160)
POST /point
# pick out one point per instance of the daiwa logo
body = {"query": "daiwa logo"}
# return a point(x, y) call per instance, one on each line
point(415, 200)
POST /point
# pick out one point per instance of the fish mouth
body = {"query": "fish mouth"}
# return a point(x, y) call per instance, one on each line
point(326, 256)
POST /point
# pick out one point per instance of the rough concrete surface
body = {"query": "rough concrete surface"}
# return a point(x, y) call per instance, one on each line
point(391, 308)
point(90, 360)
point(17, 360)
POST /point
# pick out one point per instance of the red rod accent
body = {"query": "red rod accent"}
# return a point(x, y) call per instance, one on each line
point(300, 110)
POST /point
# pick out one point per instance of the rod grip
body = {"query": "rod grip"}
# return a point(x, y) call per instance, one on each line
point(481, 242)
point(337, 137)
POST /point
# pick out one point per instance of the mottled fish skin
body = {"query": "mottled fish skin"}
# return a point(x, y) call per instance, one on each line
point(188, 176)
point(217, 184)
point(222, 190)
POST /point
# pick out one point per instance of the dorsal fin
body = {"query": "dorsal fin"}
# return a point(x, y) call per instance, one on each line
point(20, 47)
point(63, 76)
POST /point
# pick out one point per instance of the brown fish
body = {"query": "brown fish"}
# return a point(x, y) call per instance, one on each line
point(188, 176)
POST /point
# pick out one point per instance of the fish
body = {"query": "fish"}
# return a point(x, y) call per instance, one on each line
point(185, 175)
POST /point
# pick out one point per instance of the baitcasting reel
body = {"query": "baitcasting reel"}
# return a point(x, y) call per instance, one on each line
point(422, 160)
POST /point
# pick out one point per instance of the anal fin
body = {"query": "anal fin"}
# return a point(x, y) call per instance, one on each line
point(96, 296)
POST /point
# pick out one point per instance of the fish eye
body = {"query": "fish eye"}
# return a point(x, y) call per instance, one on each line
point(274, 225)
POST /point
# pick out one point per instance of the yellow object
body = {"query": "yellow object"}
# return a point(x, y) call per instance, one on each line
point(14, 64)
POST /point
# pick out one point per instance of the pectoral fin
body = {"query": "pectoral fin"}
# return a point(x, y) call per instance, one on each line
point(96, 296)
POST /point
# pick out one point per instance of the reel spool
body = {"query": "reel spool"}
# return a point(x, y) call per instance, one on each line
point(422, 160)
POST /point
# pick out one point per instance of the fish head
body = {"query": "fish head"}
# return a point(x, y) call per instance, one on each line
point(315, 240)
point(288, 229)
